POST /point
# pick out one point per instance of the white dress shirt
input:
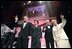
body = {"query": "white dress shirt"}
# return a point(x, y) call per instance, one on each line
point(24, 24)
point(48, 27)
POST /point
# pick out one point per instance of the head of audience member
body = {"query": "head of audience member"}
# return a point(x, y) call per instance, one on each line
point(36, 22)
point(48, 22)
point(25, 18)
point(54, 22)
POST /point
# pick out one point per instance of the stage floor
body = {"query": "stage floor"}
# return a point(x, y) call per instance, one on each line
point(43, 42)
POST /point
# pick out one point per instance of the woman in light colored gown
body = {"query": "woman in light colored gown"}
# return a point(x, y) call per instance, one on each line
point(60, 38)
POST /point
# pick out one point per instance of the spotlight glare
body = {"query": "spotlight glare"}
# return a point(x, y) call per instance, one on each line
point(40, 1)
point(29, 1)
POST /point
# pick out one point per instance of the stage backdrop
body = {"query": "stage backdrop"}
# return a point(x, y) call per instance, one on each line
point(38, 12)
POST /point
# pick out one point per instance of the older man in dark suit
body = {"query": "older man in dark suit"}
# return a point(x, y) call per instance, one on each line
point(26, 30)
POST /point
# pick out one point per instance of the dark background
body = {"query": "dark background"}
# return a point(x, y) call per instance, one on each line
point(9, 9)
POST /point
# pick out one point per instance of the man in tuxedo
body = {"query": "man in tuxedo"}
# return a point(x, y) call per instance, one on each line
point(48, 34)
point(26, 30)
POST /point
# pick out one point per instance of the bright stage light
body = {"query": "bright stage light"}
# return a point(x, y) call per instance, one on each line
point(29, 1)
point(40, 1)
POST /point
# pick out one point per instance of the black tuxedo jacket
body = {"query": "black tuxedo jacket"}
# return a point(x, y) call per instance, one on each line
point(48, 33)
point(26, 31)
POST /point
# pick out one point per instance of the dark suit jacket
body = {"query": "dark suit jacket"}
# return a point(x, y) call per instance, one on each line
point(26, 31)
point(48, 33)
